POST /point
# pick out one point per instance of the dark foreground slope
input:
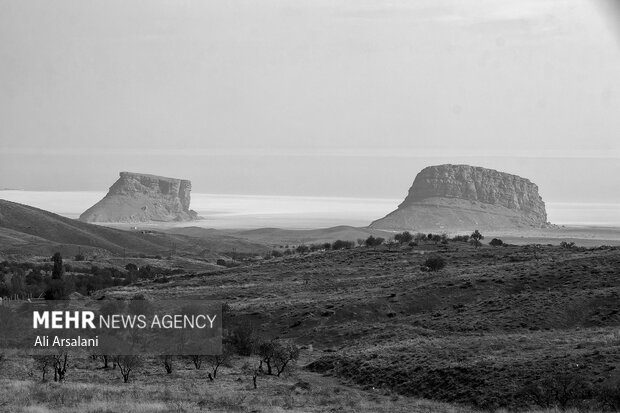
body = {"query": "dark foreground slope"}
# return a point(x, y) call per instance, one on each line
point(25, 230)
point(480, 332)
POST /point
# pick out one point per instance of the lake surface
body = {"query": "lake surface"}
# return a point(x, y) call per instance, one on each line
point(299, 212)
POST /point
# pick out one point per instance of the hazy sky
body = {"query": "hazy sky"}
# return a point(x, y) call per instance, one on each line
point(316, 97)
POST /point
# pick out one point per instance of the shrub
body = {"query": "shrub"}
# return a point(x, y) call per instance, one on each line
point(58, 269)
point(79, 257)
point(567, 245)
point(276, 254)
point(243, 339)
point(302, 249)
point(496, 242)
point(561, 390)
point(435, 263)
point(460, 238)
point(404, 237)
point(609, 396)
point(373, 242)
point(340, 245)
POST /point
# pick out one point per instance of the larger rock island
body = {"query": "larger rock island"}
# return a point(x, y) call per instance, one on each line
point(139, 197)
point(462, 197)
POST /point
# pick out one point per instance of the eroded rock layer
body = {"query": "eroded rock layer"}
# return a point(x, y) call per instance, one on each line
point(456, 197)
point(139, 197)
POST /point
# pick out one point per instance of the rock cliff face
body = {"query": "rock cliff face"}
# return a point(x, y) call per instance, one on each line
point(463, 197)
point(139, 198)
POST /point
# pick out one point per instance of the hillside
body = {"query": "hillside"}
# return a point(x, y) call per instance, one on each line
point(295, 237)
point(25, 230)
point(478, 332)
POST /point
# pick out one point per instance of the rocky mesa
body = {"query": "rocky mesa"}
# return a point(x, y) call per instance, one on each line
point(463, 197)
point(137, 197)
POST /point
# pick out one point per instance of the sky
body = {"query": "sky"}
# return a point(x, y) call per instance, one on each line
point(310, 97)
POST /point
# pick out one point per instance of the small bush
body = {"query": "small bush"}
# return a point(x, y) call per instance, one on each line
point(404, 237)
point(244, 339)
point(567, 245)
point(496, 242)
point(561, 390)
point(340, 245)
point(373, 242)
point(460, 238)
point(435, 263)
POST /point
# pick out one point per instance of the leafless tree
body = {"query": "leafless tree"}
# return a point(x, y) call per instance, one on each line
point(277, 356)
point(217, 360)
point(60, 364)
point(166, 360)
point(127, 364)
point(42, 363)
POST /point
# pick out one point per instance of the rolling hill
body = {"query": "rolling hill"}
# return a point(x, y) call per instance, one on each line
point(25, 230)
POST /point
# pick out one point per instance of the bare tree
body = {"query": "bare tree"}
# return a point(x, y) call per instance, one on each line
point(127, 364)
point(42, 363)
point(277, 356)
point(286, 355)
point(197, 360)
point(217, 360)
point(166, 360)
point(254, 370)
point(60, 363)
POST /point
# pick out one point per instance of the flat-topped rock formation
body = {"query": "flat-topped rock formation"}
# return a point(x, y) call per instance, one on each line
point(139, 197)
point(462, 197)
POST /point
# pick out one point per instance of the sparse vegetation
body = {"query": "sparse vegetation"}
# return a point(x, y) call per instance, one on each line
point(484, 332)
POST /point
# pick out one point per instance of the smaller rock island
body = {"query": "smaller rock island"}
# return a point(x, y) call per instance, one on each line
point(137, 197)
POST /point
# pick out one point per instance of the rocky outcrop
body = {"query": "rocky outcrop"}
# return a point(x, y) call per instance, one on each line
point(140, 198)
point(463, 197)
